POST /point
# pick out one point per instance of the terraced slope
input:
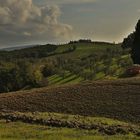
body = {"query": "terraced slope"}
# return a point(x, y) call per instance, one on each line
point(113, 99)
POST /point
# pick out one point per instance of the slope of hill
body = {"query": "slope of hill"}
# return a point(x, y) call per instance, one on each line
point(88, 61)
point(114, 99)
point(70, 63)
point(73, 50)
point(74, 66)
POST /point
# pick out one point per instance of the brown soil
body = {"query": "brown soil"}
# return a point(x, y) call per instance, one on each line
point(114, 99)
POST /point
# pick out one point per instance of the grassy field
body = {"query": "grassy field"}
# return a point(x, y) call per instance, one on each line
point(68, 78)
point(104, 131)
point(22, 131)
point(84, 51)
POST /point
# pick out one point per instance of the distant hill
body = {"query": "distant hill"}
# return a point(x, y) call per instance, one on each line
point(73, 50)
point(69, 63)
point(17, 48)
point(88, 42)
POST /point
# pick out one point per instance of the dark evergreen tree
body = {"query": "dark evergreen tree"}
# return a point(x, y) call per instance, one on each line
point(135, 53)
point(128, 42)
point(133, 42)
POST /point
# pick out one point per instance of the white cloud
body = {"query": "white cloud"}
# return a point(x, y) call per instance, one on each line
point(27, 34)
point(138, 10)
point(24, 18)
point(69, 1)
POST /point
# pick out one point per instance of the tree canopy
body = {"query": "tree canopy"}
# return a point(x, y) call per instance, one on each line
point(133, 42)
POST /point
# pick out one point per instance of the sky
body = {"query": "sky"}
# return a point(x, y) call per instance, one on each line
point(25, 22)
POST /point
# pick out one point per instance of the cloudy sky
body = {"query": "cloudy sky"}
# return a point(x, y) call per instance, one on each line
point(47, 21)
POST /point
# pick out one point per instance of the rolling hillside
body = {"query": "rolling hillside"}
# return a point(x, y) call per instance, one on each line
point(71, 63)
point(80, 94)
point(114, 99)
point(87, 62)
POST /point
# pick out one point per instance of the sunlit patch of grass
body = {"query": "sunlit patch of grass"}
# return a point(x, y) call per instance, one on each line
point(68, 78)
point(73, 118)
point(21, 131)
